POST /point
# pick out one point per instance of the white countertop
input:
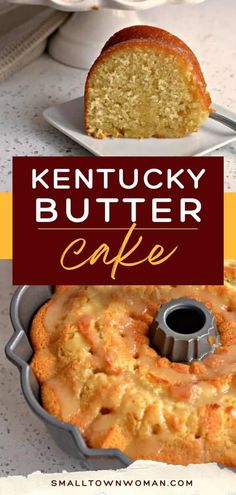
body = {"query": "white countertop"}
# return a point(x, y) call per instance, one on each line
point(209, 29)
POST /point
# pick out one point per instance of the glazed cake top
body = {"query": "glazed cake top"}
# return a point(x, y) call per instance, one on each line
point(98, 372)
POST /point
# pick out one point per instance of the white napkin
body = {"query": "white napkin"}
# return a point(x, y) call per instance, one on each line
point(23, 35)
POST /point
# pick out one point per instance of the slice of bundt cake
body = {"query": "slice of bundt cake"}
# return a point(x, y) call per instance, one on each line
point(146, 82)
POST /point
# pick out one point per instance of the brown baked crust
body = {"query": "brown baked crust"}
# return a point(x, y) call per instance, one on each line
point(99, 373)
point(149, 37)
point(39, 336)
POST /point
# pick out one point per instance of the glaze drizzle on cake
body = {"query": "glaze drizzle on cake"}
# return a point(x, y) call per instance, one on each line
point(98, 372)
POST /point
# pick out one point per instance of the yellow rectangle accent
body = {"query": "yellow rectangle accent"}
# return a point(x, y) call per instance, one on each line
point(6, 225)
point(230, 225)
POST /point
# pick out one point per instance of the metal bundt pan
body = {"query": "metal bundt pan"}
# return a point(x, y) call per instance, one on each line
point(25, 302)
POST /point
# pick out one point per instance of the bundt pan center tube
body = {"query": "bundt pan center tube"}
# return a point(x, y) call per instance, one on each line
point(184, 330)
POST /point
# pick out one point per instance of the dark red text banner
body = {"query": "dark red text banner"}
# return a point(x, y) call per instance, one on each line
point(92, 220)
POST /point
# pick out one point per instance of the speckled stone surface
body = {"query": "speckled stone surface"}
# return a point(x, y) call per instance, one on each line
point(209, 29)
point(25, 444)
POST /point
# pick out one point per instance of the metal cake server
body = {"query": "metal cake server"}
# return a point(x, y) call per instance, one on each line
point(223, 120)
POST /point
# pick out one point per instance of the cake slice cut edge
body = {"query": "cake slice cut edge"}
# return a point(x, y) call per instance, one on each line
point(145, 83)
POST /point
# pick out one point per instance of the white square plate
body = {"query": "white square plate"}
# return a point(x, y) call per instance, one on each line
point(69, 119)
